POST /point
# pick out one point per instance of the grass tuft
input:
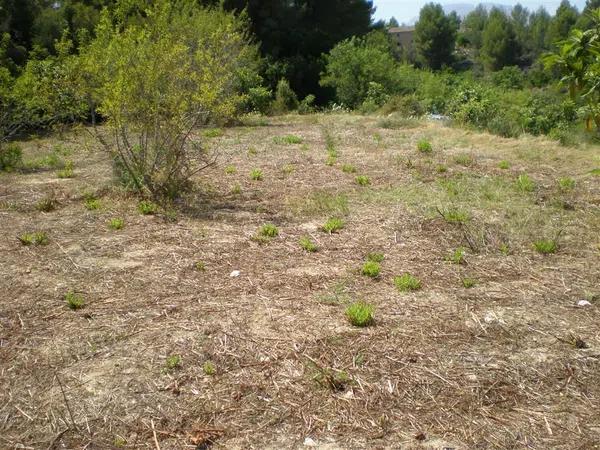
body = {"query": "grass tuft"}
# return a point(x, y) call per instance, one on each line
point(546, 246)
point(457, 256)
point(209, 368)
point(455, 216)
point(147, 208)
point(212, 133)
point(230, 170)
point(74, 300)
point(464, 159)
point(307, 244)
point(269, 230)
point(37, 238)
point(525, 183)
point(67, 171)
point(371, 269)
point(92, 204)
point(363, 180)
point(566, 184)
point(360, 314)
point(468, 283)
point(287, 140)
point(424, 146)
point(504, 165)
point(116, 223)
point(172, 362)
point(375, 257)
point(333, 225)
point(407, 283)
point(256, 175)
point(348, 168)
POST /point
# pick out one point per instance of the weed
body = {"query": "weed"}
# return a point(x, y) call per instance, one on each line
point(455, 216)
point(288, 169)
point(11, 158)
point(287, 140)
point(116, 224)
point(74, 300)
point(330, 161)
point(307, 244)
point(200, 266)
point(348, 168)
point(67, 171)
point(407, 283)
point(147, 208)
point(252, 151)
point(119, 442)
point(468, 282)
point(269, 230)
point(333, 225)
point(360, 314)
point(172, 362)
point(441, 168)
point(464, 159)
point(504, 165)
point(336, 380)
point(457, 256)
point(504, 249)
point(209, 368)
point(256, 175)
point(566, 184)
point(525, 183)
point(363, 180)
point(37, 238)
point(213, 133)
point(92, 204)
point(424, 146)
point(371, 269)
point(595, 172)
point(546, 246)
point(375, 257)
point(47, 204)
point(230, 170)
point(236, 189)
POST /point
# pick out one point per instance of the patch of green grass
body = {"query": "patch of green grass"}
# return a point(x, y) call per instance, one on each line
point(116, 223)
point(92, 204)
point(256, 175)
point(360, 314)
point(363, 180)
point(147, 208)
point(457, 256)
point(546, 246)
point(375, 257)
point(269, 230)
point(67, 171)
point(209, 368)
point(468, 282)
point(333, 225)
point(348, 168)
point(504, 165)
point(36, 238)
point(172, 362)
point(424, 146)
point(287, 140)
point(230, 170)
point(525, 183)
point(455, 216)
point(212, 133)
point(566, 184)
point(74, 300)
point(595, 172)
point(307, 244)
point(464, 159)
point(371, 269)
point(320, 203)
point(407, 283)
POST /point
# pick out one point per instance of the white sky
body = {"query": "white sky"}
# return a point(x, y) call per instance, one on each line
point(407, 10)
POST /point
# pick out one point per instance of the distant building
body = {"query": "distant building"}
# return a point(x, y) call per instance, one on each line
point(403, 37)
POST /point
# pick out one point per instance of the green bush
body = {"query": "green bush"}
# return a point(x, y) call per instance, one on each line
point(375, 99)
point(285, 98)
point(545, 111)
point(306, 106)
point(11, 157)
point(509, 77)
point(147, 208)
point(404, 105)
point(259, 100)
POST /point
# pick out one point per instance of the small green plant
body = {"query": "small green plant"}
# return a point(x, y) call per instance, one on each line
point(230, 170)
point(348, 168)
point(47, 204)
point(236, 189)
point(74, 300)
point(67, 171)
point(363, 180)
point(287, 140)
point(11, 157)
point(200, 266)
point(288, 169)
point(119, 442)
point(464, 159)
point(407, 283)
point(336, 380)
point(209, 368)
point(172, 362)
point(504, 249)
point(504, 165)
point(333, 225)
point(525, 183)
point(307, 244)
point(371, 269)
point(468, 282)
point(330, 161)
point(116, 223)
point(92, 204)
point(147, 208)
point(457, 256)
point(269, 230)
point(375, 257)
point(566, 184)
point(455, 216)
point(424, 146)
point(37, 238)
point(595, 172)
point(546, 246)
point(256, 175)
point(441, 168)
point(360, 314)
point(252, 151)
point(213, 133)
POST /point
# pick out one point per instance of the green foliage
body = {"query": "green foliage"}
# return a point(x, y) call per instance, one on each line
point(306, 106)
point(37, 238)
point(468, 282)
point(371, 269)
point(424, 146)
point(67, 171)
point(566, 184)
point(457, 256)
point(172, 362)
point(348, 168)
point(375, 257)
point(147, 208)
point(287, 140)
point(407, 283)
point(435, 36)
point(212, 133)
point(74, 300)
point(333, 225)
point(455, 216)
point(209, 368)
point(376, 97)
point(499, 42)
point(259, 100)
point(200, 266)
point(91, 204)
point(285, 98)
point(269, 230)
point(11, 157)
point(509, 77)
point(47, 204)
point(307, 244)
point(256, 175)
point(464, 159)
point(525, 183)
point(360, 314)
point(546, 246)
point(504, 165)
point(230, 170)
point(116, 223)
point(363, 180)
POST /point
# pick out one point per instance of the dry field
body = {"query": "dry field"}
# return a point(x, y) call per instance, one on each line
point(170, 351)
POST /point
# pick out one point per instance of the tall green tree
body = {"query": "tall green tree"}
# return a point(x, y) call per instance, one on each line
point(472, 28)
point(539, 26)
point(563, 21)
point(435, 36)
point(500, 47)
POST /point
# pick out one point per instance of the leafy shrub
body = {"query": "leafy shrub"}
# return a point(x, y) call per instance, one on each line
point(424, 146)
point(363, 180)
point(371, 269)
point(473, 106)
point(285, 98)
point(74, 300)
point(360, 314)
point(256, 175)
point(306, 106)
point(333, 225)
point(307, 244)
point(11, 157)
point(92, 204)
point(147, 208)
point(404, 105)
point(504, 125)
point(407, 283)
point(376, 98)
point(259, 100)
point(37, 238)
point(545, 111)
point(116, 224)
point(509, 77)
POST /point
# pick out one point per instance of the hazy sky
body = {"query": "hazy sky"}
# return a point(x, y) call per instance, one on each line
point(407, 10)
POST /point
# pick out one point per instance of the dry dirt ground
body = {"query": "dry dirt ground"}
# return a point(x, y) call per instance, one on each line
point(167, 356)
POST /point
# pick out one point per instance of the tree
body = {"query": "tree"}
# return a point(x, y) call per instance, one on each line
point(563, 21)
point(155, 81)
point(435, 36)
point(393, 23)
point(539, 24)
point(500, 47)
point(473, 27)
point(520, 20)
